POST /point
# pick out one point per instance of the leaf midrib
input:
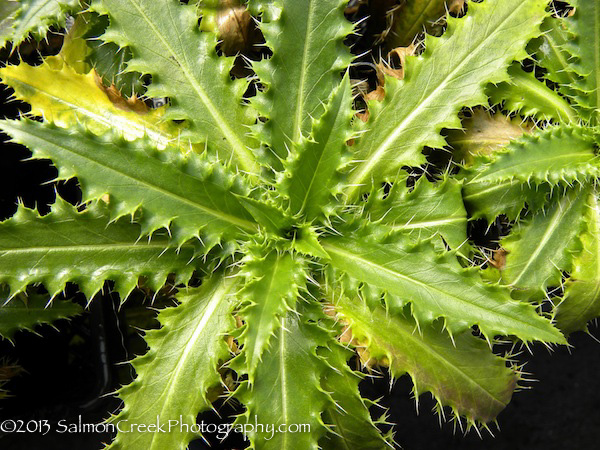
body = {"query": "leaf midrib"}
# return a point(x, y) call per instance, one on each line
point(303, 68)
point(85, 247)
point(244, 156)
point(597, 52)
point(217, 297)
point(443, 360)
point(430, 223)
point(357, 178)
point(490, 188)
point(219, 215)
point(332, 248)
point(496, 175)
point(283, 374)
point(561, 211)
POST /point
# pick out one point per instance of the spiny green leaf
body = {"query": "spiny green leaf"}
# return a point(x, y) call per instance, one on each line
point(550, 50)
point(540, 248)
point(526, 170)
point(186, 351)
point(37, 16)
point(310, 178)
point(581, 302)
point(484, 134)
point(526, 95)
point(273, 219)
point(187, 194)
point(584, 26)
point(85, 248)
point(553, 155)
point(508, 197)
point(435, 286)
point(287, 389)
point(306, 241)
point(166, 43)
point(349, 420)
point(24, 312)
point(461, 373)
point(429, 209)
point(451, 74)
point(310, 32)
point(272, 284)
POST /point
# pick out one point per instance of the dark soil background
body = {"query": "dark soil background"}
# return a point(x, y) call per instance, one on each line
point(66, 372)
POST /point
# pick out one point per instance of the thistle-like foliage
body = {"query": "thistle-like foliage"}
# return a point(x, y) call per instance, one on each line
point(428, 99)
point(581, 301)
point(541, 246)
point(85, 248)
point(315, 236)
point(23, 17)
point(25, 312)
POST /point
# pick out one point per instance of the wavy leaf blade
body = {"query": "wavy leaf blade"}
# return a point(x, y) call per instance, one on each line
point(429, 209)
point(436, 286)
point(189, 192)
point(167, 44)
point(311, 169)
point(186, 351)
point(526, 95)
point(87, 249)
point(349, 420)
point(551, 51)
point(540, 248)
point(585, 27)
point(553, 155)
point(581, 302)
point(451, 74)
point(290, 366)
point(271, 289)
point(313, 32)
point(26, 312)
point(461, 373)
point(37, 16)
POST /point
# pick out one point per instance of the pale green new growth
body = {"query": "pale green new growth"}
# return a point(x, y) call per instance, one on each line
point(542, 245)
